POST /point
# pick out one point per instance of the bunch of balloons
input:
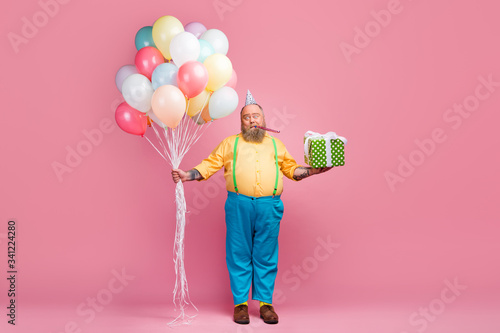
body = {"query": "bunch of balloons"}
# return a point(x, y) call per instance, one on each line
point(178, 70)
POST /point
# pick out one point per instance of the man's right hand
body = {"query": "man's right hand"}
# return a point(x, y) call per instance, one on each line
point(178, 174)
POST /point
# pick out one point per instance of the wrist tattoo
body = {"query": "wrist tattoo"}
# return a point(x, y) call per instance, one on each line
point(301, 173)
point(194, 174)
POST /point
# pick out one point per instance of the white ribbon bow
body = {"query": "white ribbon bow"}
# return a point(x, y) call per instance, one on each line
point(328, 137)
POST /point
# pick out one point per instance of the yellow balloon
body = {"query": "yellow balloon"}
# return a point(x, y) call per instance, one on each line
point(219, 69)
point(198, 103)
point(164, 29)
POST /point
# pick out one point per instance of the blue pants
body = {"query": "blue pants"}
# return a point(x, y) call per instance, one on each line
point(252, 228)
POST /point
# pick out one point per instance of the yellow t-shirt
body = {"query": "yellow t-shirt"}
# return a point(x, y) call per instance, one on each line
point(255, 165)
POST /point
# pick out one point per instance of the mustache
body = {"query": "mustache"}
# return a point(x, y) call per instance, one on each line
point(256, 135)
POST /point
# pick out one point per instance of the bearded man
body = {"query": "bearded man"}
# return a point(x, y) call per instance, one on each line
point(254, 164)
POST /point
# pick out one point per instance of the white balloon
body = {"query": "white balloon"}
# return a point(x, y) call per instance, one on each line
point(137, 91)
point(184, 47)
point(218, 40)
point(223, 102)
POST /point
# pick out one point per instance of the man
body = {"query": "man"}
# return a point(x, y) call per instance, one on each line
point(254, 164)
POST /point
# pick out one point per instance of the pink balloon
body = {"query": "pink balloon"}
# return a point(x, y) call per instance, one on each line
point(147, 59)
point(169, 105)
point(131, 120)
point(232, 81)
point(123, 73)
point(192, 78)
point(196, 28)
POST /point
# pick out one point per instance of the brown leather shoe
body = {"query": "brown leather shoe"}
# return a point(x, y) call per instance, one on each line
point(267, 313)
point(241, 314)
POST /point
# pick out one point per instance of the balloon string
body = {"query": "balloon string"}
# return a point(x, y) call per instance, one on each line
point(176, 143)
point(156, 149)
point(181, 291)
point(184, 129)
point(201, 111)
point(206, 100)
point(161, 142)
point(198, 115)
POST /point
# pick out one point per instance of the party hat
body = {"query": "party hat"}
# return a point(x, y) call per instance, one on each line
point(250, 99)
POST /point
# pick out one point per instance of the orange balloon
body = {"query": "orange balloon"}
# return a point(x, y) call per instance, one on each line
point(206, 115)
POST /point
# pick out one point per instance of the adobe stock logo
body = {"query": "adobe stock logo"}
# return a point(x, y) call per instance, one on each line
point(421, 319)
point(454, 117)
point(75, 156)
point(83, 148)
point(293, 277)
point(363, 36)
point(88, 310)
point(224, 6)
point(30, 26)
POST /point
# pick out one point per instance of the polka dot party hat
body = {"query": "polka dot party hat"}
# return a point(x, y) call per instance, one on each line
point(250, 99)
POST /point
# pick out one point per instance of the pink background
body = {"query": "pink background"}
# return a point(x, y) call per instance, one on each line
point(396, 245)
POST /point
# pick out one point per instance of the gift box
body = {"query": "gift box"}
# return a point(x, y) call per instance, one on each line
point(324, 150)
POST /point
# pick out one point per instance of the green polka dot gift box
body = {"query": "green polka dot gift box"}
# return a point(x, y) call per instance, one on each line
point(324, 150)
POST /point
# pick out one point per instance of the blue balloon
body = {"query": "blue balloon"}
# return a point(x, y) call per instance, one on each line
point(206, 49)
point(144, 37)
point(165, 73)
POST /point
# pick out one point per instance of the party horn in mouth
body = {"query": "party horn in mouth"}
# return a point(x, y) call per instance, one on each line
point(267, 129)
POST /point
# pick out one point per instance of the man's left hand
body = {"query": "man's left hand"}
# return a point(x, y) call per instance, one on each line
point(304, 172)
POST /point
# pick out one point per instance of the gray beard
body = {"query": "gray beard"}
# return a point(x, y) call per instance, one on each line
point(254, 134)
